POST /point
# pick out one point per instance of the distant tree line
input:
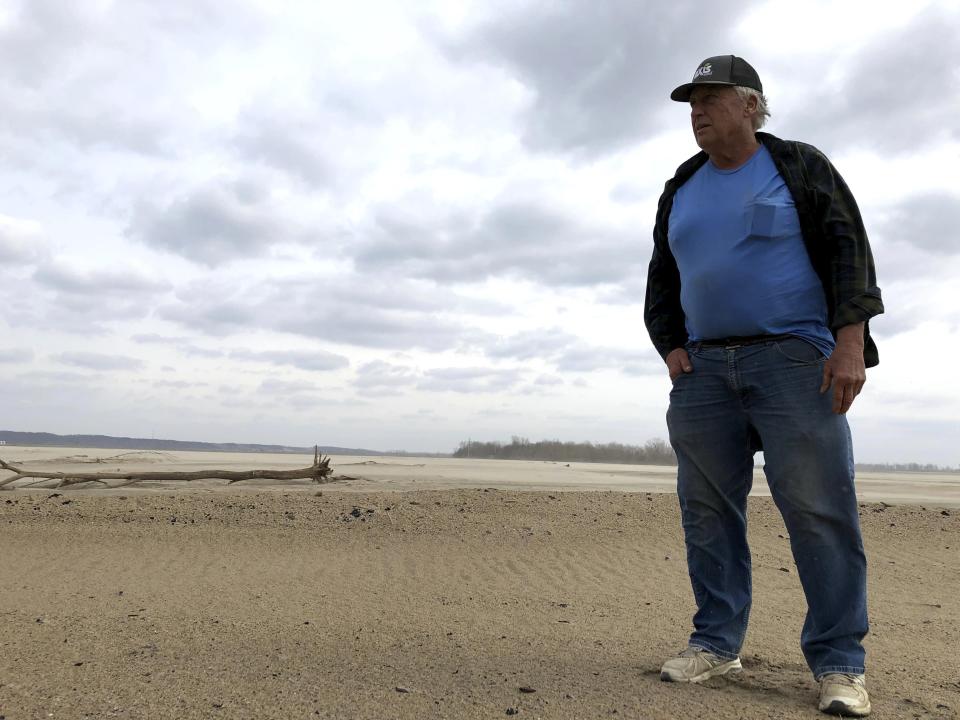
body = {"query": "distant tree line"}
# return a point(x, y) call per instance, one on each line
point(906, 467)
point(653, 452)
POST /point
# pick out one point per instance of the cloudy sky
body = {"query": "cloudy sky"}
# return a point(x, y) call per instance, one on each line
point(405, 224)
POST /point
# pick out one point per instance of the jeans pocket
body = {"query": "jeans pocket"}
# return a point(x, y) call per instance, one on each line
point(692, 352)
point(799, 351)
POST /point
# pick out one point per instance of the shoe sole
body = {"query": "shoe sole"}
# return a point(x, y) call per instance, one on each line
point(722, 669)
point(838, 707)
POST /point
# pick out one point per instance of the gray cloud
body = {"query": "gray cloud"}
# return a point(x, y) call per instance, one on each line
point(86, 127)
point(76, 72)
point(57, 377)
point(59, 296)
point(212, 225)
point(20, 241)
point(273, 386)
point(290, 395)
point(333, 135)
point(376, 328)
point(58, 275)
point(544, 385)
point(82, 300)
point(15, 355)
point(470, 380)
point(893, 322)
point(630, 362)
point(639, 364)
point(930, 222)
point(520, 239)
point(98, 361)
point(628, 193)
point(597, 70)
point(378, 376)
point(911, 438)
point(906, 305)
point(157, 339)
point(313, 360)
point(899, 93)
point(181, 344)
point(568, 353)
point(178, 384)
point(295, 147)
point(390, 314)
point(629, 291)
point(200, 308)
point(39, 36)
point(199, 351)
point(548, 381)
point(541, 343)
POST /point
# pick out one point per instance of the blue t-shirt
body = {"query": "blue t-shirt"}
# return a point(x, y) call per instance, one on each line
point(744, 269)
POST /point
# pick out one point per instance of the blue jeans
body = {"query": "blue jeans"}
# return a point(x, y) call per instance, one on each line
point(738, 400)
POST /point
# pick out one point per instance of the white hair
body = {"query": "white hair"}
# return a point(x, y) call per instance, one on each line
point(763, 111)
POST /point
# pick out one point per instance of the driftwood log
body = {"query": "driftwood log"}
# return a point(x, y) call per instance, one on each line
point(319, 472)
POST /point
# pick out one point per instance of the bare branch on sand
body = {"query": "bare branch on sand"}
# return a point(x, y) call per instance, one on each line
point(318, 472)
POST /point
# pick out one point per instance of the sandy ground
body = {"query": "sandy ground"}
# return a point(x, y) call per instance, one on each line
point(461, 597)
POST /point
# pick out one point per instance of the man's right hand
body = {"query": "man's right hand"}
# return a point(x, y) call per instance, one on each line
point(678, 362)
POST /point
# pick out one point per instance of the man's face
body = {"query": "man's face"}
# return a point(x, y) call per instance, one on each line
point(719, 117)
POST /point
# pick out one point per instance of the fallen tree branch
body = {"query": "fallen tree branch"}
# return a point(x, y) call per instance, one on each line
point(319, 472)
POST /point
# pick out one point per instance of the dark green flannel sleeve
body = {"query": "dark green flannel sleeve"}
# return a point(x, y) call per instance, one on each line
point(663, 314)
point(852, 290)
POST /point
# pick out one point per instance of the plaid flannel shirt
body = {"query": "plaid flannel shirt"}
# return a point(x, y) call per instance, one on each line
point(833, 234)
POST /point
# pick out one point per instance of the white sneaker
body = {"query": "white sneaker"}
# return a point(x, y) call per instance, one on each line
point(844, 694)
point(696, 665)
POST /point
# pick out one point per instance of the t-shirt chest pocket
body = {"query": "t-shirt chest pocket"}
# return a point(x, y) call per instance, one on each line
point(770, 219)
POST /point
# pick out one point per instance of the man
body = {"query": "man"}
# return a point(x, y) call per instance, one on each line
point(760, 289)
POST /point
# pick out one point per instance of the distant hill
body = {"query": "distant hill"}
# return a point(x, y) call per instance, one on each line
point(41, 439)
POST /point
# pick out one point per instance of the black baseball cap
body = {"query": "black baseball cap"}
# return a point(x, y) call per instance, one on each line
point(720, 70)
